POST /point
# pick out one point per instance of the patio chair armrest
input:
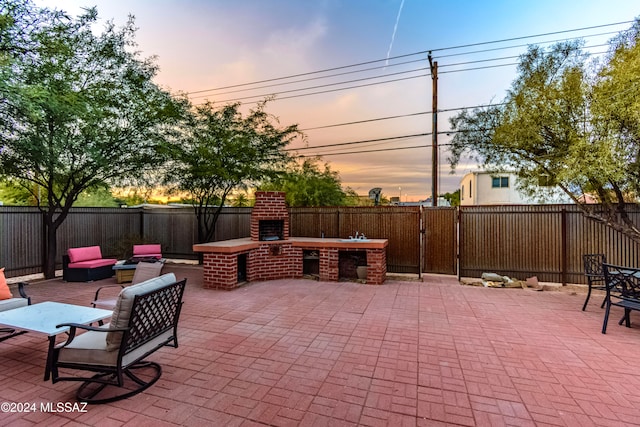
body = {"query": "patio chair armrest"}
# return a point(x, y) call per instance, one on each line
point(75, 326)
point(104, 287)
point(23, 293)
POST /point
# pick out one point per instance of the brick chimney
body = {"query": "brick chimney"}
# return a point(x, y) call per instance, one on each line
point(269, 216)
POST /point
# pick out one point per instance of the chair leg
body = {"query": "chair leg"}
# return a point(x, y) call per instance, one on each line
point(606, 318)
point(586, 301)
point(627, 316)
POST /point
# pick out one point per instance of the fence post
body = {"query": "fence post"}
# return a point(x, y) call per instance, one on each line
point(459, 240)
point(141, 230)
point(421, 237)
point(43, 247)
point(564, 245)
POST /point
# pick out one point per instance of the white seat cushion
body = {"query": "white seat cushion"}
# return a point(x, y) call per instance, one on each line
point(90, 348)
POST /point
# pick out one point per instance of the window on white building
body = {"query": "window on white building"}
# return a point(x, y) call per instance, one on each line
point(500, 182)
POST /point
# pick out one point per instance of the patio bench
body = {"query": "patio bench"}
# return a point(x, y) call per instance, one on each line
point(144, 320)
point(622, 290)
point(86, 264)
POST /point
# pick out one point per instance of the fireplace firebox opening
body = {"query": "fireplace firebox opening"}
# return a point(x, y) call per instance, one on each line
point(271, 230)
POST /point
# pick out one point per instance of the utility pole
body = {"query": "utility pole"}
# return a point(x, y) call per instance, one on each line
point(434, 130)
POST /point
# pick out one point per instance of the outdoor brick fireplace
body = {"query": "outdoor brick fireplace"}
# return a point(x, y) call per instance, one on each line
point(270, 217)
point(270, 253)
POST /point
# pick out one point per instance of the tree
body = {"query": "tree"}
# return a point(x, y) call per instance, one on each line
point(97, 197)
point(221, 151)
point(563, 126)
point(78, 110)
point(308, 185)
point(241, 200)
point(452, 198)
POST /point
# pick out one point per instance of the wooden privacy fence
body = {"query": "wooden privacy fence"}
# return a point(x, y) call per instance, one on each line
point(546, 241)
point(115, 230)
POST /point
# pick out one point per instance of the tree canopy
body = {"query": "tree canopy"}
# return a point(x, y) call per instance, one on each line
point(306, 184)
point(78, 110)
point(566, 123)
point(221, 150)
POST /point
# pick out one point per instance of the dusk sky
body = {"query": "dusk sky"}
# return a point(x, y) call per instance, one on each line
point(205, 45)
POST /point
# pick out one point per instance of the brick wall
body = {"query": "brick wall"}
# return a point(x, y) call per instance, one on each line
point(329, 269)
point(274, 261)
point(270, 205)
point(376, 266)
point(220, 270)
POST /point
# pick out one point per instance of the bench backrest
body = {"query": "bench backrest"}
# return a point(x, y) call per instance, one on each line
point(87, 253)
point(149, 250)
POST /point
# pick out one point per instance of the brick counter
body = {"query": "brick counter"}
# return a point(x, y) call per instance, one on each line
point(283, 259)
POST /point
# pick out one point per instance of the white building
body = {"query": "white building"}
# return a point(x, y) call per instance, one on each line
point(487, 188)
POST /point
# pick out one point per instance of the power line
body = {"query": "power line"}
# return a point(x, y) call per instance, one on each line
point(524, 45)
point(312, 78)
point(409, 55)
point(325, 85)
point(367, 121)
point(532, 36)
point(325, 91)
point(378, 150)
point(440, 110)
point(358, 142)
point(390, 81)
point(308, 73)
point(262, 96)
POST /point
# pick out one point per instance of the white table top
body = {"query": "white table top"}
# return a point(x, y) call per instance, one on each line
point(44, 317)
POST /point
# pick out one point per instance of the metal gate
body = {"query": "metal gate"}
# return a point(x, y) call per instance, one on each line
point(440, 240)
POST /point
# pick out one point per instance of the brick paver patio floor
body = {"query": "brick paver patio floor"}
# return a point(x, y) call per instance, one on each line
point(301, 352)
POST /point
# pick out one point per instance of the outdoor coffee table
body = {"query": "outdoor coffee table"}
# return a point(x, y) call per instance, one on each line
point(44, 317)
point(124, 272)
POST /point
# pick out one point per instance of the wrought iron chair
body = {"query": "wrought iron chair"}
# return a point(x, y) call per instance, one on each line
point(144, 320)
point(595, 275)
point(623, 290)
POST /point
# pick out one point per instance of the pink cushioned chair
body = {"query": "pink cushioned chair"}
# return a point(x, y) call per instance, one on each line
point(86, 264)
point(147, 251)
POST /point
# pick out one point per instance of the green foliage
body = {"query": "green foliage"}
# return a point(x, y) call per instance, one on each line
point(220, 151)
point(241, 200)
point(14, 195)
point(100, 197)
point(452, 198)
point(79, 110)
point(306, 184)
point(565, 125)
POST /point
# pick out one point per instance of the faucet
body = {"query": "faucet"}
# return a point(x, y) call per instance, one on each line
point(362, 237)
